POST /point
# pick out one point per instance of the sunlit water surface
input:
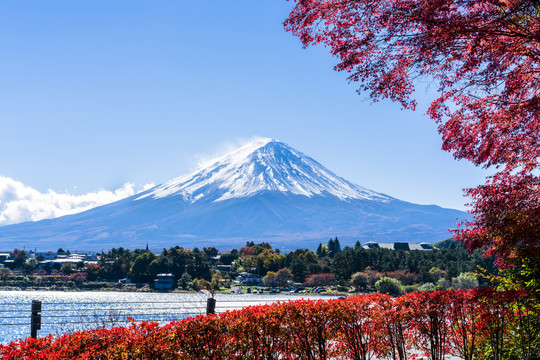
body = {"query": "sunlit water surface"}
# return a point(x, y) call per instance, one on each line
point(64, 312)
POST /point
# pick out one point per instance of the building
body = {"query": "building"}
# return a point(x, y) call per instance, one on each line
point(164, 282)
point(246, 278)
point(398, 246)
point(42, 255)
point(224, 269)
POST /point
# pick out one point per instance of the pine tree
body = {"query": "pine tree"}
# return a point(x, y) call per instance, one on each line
point(319, 250)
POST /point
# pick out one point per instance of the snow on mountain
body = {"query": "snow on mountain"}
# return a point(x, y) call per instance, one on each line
point(263, 191)
point(262, 165)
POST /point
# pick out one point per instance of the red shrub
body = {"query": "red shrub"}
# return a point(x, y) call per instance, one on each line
point(358, 327)
point(311, 326)
point(458, 322)
point(259, 332)
point(405, 276)
point(320, 280)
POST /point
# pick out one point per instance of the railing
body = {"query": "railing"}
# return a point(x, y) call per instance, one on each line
point(70, 316)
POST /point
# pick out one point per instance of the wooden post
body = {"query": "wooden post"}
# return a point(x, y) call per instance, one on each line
point(210, 306)
point(35, 324)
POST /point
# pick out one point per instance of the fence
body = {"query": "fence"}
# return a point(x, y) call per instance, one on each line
point(71, 316)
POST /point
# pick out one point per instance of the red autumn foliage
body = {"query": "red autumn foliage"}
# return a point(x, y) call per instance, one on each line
point(418, 325)
point(483, 56)
point(257, 332)
point(506, 218)
point(247, 251)
point(320, 280)
point(405, 276)
point(464, 330)
point(312, 329)
point(428, 316)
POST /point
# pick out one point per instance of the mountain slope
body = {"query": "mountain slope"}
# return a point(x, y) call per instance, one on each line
point(265, 190)
point(262, 165)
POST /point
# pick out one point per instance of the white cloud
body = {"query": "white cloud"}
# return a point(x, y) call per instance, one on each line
point(19, 203)
point(207, 159)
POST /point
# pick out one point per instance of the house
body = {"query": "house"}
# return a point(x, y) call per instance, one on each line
point(246, 278)
point(164, 282)
point(4, 257)
point(224, 269)
point(48, 255)
point(60, 261)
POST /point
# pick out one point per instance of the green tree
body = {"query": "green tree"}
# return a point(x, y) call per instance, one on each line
point(298, 270)
point(161, 264)
point(19, 257)
point(92, 272)
point(217, 279)
point(270, 279)
point(117, 263)
point(201, 284)
point(68, 268)
point(389, 286)
point(228, 257)
point(359, 281)
point(269, 260)
point(283, 276)
point(139, 271)
point(302, 262)
point(435, 274)
point(185, 281)
point(465, 281)
point(29, 266)
point(5, 273)
point(210, 252)
point(198, 266)
point(334, 247)
point(179, 258)
point(322, 251)
point(427, 287)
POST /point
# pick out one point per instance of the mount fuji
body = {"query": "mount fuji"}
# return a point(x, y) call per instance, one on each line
point(263, 191)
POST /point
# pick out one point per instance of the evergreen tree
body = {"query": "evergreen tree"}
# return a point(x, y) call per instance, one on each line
point(334, 247)
point(322, 251)
point(319, 250)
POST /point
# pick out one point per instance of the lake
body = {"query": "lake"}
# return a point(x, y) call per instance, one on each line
point(70, 311)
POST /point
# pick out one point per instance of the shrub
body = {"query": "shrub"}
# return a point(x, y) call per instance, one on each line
point(410, 288)
point(320, 280)
point(389, 286)
point(444, 284)
point(405, 276)
point(471, 324)
point(427, 287)
point(465, 281)
point(359, 281)
point(373, 276)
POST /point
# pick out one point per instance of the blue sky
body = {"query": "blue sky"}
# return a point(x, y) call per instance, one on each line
point(97, 94)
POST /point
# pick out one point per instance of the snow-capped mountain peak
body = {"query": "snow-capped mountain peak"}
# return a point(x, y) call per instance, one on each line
point(263, 191)
point(261, 165)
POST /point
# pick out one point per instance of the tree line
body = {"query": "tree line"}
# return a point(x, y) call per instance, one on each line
point(352, 266)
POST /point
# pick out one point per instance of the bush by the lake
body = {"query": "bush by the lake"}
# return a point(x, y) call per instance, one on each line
point(469, 324)
point(388, 285)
